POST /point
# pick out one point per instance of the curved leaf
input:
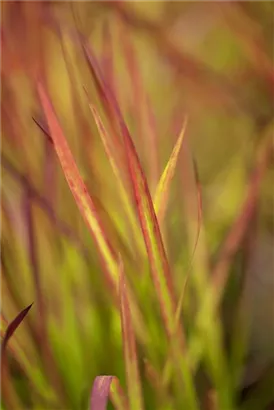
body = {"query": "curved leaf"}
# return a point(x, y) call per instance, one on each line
point(12, 328)
point(105, 387)
point(100, 392)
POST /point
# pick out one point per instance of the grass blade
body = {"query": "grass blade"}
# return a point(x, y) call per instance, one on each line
point(117, 395)
point(160, 271)
point(151, 232)
point(141, 106)
point(199, 226)
point(45, 205)
point(79, 189)
point(130, 354)
point(42, 328)
point(86, 205)
point(12, 328)
point(105, 387)
point(163, 187)
point(9, 395)
point(159, 266)
point(100, 392)
point(117, 172)
point(166, 371)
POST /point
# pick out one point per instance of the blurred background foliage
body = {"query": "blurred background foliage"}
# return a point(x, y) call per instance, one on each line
point(211, 61)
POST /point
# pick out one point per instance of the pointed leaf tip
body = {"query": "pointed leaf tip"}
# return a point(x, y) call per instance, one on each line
point(100, 392)
point(13, 326)
point(163, 187)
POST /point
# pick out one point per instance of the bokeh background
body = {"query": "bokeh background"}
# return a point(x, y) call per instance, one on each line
point(209, 61)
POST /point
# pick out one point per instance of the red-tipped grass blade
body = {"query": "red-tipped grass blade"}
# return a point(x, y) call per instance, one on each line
point(86, 204)
point(141, 106)
point(151, 232)
point(160, 274)
point(12, 328)
point(159, 266)
point(114, 162)
point(148, 221)
point(78, 188)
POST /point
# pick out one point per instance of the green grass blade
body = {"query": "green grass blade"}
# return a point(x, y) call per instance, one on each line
point(130, 353)
point(163, 187)
point(117, 395)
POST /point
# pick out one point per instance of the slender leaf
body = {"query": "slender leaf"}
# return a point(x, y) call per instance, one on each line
point(105, 387)
point(117, 172)
point(100, 392)
point(78, 187)
point(156, 253)
point(44, 204)
point(163, 187)
point(8, 390)
point(199, 225)
point(155, 249)
point(117, 395)
point(12, 328)
point(167, 368)
point(141, 106)
point(130, 353)
point(86, 204)
point(160, 272)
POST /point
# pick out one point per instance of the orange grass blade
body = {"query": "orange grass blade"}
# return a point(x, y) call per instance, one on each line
point(163, 187)
point(140, 105)
point(85, 203)
point(130, 353)
point(117, 172)
point(151, 232)
point(78, 187)
point(155, 249)
point(102, 87)
point(160, 271)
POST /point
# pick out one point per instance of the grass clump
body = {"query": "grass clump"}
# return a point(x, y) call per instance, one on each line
point(116, 147)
